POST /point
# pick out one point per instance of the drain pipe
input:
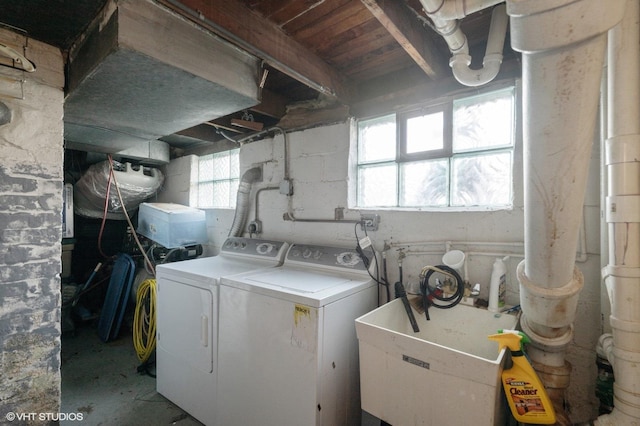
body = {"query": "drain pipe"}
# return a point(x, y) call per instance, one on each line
point(445, 15)
point(244, 200)
point(563, 44)
point(622, 274)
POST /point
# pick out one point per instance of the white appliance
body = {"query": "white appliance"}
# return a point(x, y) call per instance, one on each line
point(288, 352)
point(187, 320)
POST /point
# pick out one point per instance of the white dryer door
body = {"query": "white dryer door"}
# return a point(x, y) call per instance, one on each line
point(186, 324)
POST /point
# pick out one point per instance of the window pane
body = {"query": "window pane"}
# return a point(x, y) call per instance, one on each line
point(377, 185)
point(205, 195)
point(205, 168)
point(483, 121)
point(233, 192)
point(424, 183)
point(482, 180)
point(234, 163)
point(425, 133)
point(221, 165)
point(377, 139)
point(221, 191)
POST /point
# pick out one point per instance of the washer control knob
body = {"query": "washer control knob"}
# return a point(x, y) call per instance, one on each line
point(347, 258)
point(264, 248)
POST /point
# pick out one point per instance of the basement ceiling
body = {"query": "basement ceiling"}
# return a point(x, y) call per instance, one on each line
point(322, 60)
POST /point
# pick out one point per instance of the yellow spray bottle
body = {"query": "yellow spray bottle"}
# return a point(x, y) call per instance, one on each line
point(525, 393)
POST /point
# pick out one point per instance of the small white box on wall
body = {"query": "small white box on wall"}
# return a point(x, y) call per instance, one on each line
point(67, 211)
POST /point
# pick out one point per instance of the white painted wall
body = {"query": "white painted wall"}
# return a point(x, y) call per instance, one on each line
point(319, 166)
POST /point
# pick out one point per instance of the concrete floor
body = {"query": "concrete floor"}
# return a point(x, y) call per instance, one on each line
point(100, 380)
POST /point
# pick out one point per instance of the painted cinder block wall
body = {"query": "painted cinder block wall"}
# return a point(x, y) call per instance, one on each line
point(320, 160)
point(31, 182)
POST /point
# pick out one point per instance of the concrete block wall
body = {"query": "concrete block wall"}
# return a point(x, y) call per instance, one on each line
point(31, 182)
point(320, 162)
point(177, 180)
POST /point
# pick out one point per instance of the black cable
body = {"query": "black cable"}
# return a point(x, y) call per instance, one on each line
point(366, 261)
point(385, 277)
point(429, 294)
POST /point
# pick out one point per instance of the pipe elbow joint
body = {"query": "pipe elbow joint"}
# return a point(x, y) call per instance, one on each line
point(473, 78)
point(252, 175)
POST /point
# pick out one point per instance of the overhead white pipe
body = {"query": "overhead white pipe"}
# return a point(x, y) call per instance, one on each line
point(622, 274)
point(461, 61)
point(563, 44)
point(445, 15)
point(458, 9)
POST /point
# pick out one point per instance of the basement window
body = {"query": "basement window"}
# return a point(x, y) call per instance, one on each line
point(455, 154)
point(217, 180)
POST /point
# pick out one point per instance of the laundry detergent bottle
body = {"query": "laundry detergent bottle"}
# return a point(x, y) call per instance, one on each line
point(525, 393)
point(498, 284)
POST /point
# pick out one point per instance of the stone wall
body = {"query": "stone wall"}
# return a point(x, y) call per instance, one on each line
point(31, 181)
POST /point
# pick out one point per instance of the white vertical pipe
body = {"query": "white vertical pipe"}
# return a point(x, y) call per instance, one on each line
point(558, 148)
point(622, 274)
point(563, 44)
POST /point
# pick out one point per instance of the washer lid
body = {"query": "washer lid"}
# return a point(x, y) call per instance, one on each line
point(212, 268)
point(298, 281)
point(309, 286)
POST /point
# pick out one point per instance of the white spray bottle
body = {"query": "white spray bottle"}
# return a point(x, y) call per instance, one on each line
point(498, 284)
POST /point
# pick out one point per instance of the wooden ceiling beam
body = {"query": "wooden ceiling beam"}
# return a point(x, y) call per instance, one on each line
point(272, 104)
point(402, 25)
point(233, 21)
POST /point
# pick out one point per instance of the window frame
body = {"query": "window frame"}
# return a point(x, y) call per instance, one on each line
point(446, 104)
point(402, 119)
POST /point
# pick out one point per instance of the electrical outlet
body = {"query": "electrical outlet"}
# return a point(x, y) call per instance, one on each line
point(254, 227)
point(369, 222)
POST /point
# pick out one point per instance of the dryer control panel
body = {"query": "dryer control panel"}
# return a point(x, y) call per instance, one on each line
point(253, 247)
point(335, 257)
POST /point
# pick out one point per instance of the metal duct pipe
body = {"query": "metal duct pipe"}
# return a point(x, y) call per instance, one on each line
point(563, 44)
point(244, 200)
point(444, 15)
point(622, 274)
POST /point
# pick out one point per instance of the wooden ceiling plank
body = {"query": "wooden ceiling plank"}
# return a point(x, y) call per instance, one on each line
point(346, 16)
point(373, 65)
point(357, 46)
point(293, 10)
point(264, 39)
point(400, 23)
point(318, 13)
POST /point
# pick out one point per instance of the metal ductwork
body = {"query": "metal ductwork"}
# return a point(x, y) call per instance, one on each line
point(143, 73)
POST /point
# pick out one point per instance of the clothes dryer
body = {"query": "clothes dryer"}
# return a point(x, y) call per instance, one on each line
point(187, 320)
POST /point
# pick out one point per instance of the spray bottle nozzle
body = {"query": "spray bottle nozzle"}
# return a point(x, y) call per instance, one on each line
point(512, 339)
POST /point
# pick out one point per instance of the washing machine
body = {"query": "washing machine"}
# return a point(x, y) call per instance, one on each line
point(187, 320)
point(288, 351)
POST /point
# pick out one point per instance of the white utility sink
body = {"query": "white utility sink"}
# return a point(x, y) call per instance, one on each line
point(448, 373)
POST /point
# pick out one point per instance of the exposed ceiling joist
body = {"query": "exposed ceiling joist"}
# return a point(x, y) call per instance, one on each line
point(403, 26)
point(233, 21)
point(272, 104)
